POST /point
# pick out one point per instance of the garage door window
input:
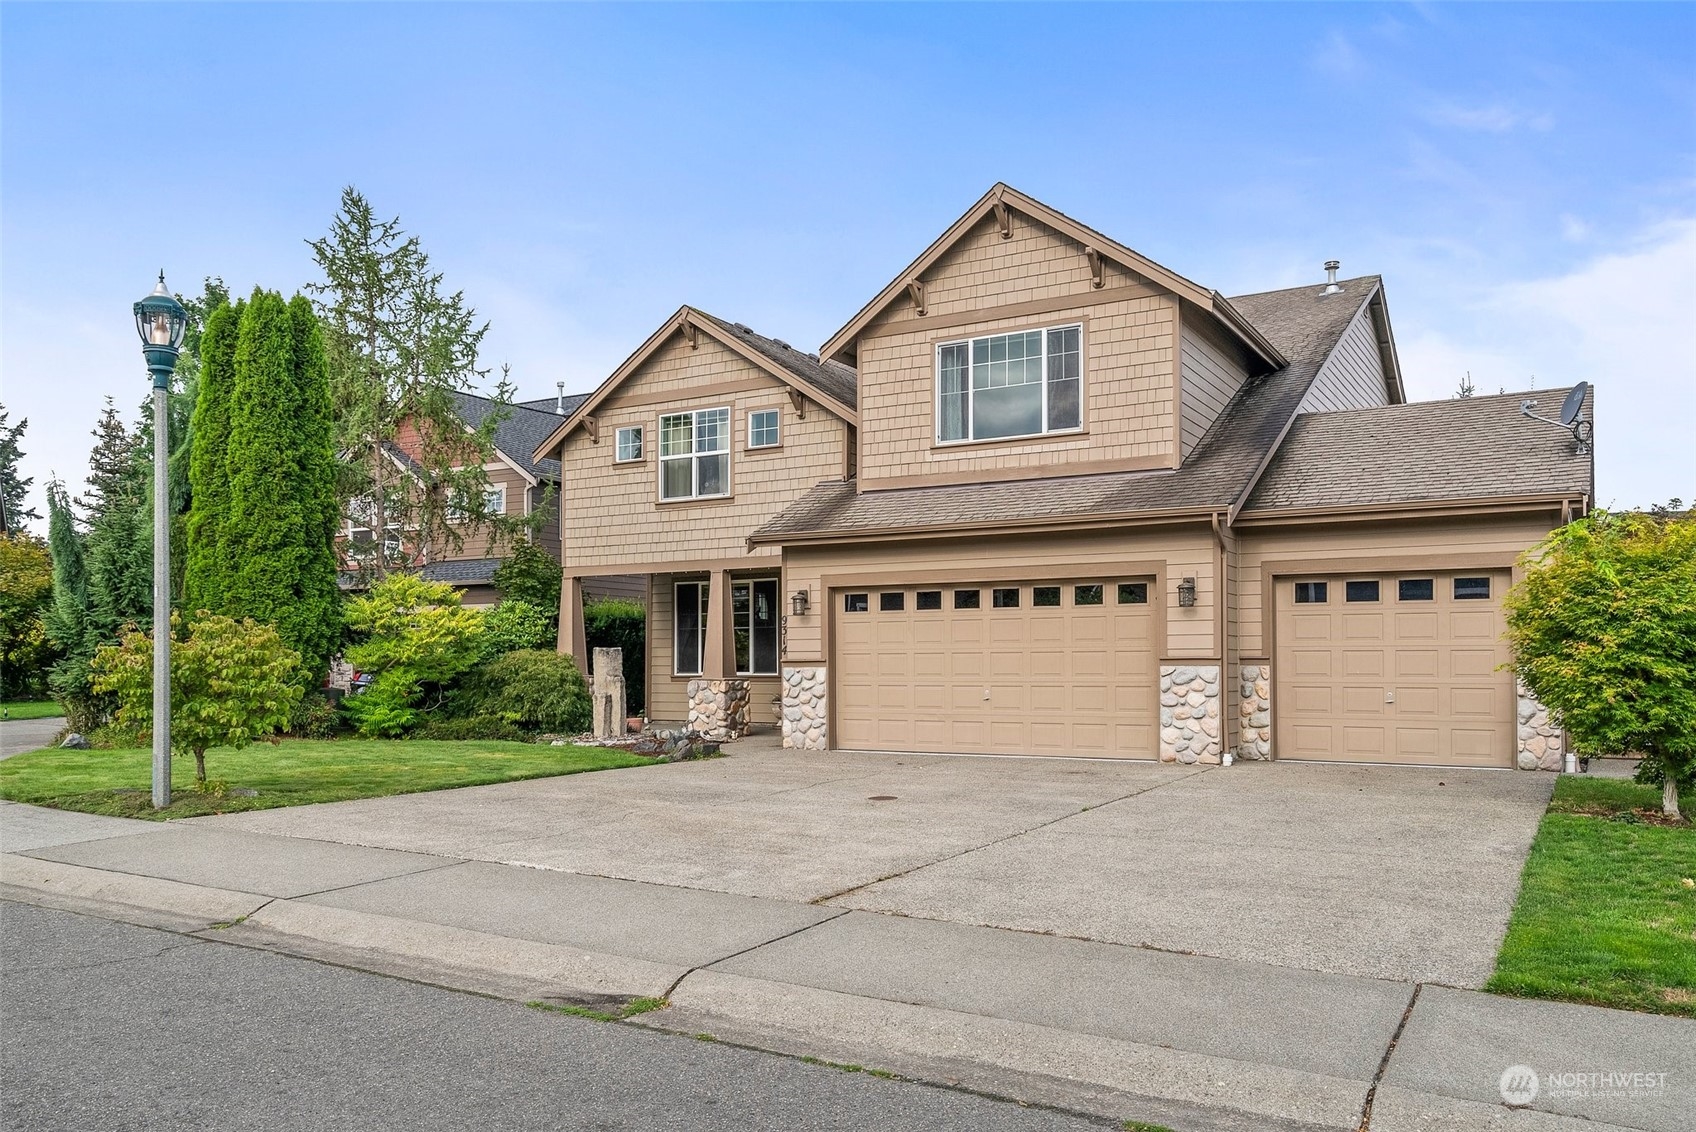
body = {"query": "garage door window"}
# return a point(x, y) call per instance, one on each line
point(965, 599)
point(689, 623)
point(1133, 593)
point(856, 603)
point(1004, 598)
point(1045, 595)
point(1472, 589)
point(1312, 593)
point(753, 615)
point(1416, 589)
point(1360, 591)
point(928, 599)
point(1086, 595)
point(891, 602)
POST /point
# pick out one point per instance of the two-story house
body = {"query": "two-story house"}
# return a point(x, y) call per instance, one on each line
point(1042, 495)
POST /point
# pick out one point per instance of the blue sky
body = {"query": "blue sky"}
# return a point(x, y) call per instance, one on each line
point(1524, 176)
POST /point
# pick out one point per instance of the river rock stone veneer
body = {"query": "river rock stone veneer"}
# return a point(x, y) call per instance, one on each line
point(1254, 711)
point(804, 717)
point(1189, 713)
point(718, 709)
point(1542, 745)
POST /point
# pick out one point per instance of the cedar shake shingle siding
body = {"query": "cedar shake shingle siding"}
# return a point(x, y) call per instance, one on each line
point(1426, 451)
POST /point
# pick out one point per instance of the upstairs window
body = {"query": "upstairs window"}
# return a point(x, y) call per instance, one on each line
point(695, 454)
point(629, 444)
point(762, 429)
point(1004, 385)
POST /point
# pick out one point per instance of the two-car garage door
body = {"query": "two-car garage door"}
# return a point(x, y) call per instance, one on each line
point(1401, 668)
point(1041, 667)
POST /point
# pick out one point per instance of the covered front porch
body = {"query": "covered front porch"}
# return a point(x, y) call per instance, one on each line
point(714, 645)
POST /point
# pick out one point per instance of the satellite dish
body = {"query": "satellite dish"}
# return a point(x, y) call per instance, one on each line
point(1574, 403)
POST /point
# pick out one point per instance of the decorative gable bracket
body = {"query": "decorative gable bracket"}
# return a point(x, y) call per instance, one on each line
point(800, 403)
point(690, 333)
point(1097, 269)
point(916, 289)
point(593, 427)
point(1004, 219)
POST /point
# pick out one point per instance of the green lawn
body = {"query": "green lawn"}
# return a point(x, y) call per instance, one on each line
point(33, 709)
point(291, 773)
point(1607, 908)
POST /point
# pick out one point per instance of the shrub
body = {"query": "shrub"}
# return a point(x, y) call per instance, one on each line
point(530, 575)
point(619, 623)
point(514, 625)
point(535, 689)
point(416, 639)
point(485, 727)
point(314, 717)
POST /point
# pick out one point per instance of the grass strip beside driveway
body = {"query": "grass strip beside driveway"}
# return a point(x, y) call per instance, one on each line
point(290, 773)
point(33, 709)
point(1607, 904)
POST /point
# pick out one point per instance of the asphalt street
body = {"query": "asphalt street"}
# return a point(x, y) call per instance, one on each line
point(112, 1026)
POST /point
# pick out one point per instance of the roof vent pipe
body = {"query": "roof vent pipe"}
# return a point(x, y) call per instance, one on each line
point(1332, 287)
point(559, 405)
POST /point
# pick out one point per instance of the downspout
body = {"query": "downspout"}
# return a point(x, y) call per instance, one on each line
point(1222, 597)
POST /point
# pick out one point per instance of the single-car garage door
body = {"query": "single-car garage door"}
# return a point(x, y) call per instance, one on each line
point(1399, 668)
point(1055, 668)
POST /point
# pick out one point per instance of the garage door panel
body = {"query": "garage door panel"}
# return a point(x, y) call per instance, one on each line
point(1432, 675)
point(1010, 679)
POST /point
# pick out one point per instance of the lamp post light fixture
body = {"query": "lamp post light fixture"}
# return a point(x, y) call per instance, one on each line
point(161, 321)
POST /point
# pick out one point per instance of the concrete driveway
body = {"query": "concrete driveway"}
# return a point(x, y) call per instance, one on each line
point(1384, 872)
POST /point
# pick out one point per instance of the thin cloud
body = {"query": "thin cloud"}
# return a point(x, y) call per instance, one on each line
point(1493, 118)
point(1337, 56)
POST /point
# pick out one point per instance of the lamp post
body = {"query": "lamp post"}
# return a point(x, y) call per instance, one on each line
point(161, 320)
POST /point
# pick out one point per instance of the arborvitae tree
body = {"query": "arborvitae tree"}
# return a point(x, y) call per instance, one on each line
point(278, 529)
point(207, 568)
point(398, 350)
point(66, 621)
point(13, 514)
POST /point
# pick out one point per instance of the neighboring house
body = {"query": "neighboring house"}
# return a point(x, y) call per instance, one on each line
point(1042, 495)
point(519, 485)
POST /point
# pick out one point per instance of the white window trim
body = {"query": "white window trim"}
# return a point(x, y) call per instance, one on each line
point(777, 627)
point(701, 611)
point(694, 454)
point(749, 424)
point(618, 445)
point(970, 438)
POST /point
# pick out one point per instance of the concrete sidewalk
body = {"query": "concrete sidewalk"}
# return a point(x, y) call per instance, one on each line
point(1190, 1041)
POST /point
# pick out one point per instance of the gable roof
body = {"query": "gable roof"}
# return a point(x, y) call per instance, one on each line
point(551, 405)
point(830, 384)
point(1003, 195)
point(1302, 323)
point(1472, 448)
point(519, 434)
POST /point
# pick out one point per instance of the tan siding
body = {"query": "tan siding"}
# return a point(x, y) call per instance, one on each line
point(1353, 376)
point(1427, 540)
point(477, 542)
point(1178, 552)
point(612, 513)
point(633, 587)
point(668, 694)
point(1128, 360)
point(1211, 376)
point(547, 534)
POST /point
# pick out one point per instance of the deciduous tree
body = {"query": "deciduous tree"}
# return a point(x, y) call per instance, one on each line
point(231, 682)
point(416, 638)
point(26, 589)
point(1603, 628)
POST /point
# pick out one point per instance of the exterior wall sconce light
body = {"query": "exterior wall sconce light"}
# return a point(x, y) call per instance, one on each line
point(798, 603)
point(1186, 592)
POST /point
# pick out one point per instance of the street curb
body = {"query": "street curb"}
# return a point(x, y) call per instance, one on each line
point(78, 888)
point(1079, 1071)
point(462, 958)
point(1410, 1110)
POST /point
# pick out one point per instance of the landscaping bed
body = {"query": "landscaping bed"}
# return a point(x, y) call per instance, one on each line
point(1607, 905)
point(293, 772)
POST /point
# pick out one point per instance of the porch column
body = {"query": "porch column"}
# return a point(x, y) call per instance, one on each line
point(572, 639)
point(719, 661)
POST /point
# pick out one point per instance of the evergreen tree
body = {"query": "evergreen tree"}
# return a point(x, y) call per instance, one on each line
point(118, 550)
point(398, 350)
point(277, 530)
point(207, 567)
point(13, 513)
point(66, 621)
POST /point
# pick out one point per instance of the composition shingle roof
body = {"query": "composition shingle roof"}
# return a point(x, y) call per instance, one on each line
point(1302, 322)
point(522, 431)
point(552, 404)
point(464, 571)
point(833, 378)
point(1426, 451)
